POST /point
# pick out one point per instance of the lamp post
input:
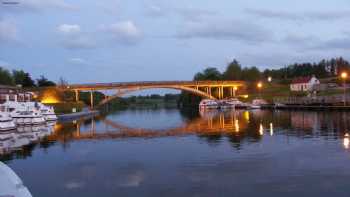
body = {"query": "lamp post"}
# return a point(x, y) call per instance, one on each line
point(344, 76)
point(259, 86)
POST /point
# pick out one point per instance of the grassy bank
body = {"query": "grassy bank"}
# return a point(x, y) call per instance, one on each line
point(67, 107)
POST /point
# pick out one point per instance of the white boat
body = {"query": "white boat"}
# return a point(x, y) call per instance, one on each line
point(48, 112)
point(232, 103)
point(254, 107)
point(28, 117)
point(257, 103)
point(24, 113)
point(6, 122)
point(208, 104)
point(11, 184)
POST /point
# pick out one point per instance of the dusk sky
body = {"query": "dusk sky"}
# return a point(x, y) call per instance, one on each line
point(146, 40)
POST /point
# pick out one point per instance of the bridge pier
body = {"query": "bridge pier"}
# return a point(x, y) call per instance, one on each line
point(91, 99)
point(220, 92)
point(76, 96)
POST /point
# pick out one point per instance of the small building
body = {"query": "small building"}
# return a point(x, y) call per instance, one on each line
point(14, 93)
point(304, 84)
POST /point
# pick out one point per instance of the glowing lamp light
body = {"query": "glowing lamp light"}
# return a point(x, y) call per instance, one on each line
point(49, 100)
point(50, 97)
point(269, 79)
point(344, 75)
point(259, 85)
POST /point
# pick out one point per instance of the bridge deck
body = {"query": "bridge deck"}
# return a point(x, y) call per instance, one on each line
point(94, 86)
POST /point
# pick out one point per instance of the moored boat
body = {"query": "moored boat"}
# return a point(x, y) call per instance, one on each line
point(48, 112)
point(232, 103)
point(208, 104)
point(6, 122)
point(28, 117)
point(257, 104)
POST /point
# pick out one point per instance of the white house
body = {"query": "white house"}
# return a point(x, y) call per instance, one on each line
point(303, 84)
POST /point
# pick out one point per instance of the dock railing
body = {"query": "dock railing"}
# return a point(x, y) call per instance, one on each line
point(313, 100)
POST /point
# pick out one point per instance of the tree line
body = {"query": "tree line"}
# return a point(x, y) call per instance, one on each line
point(24, 79)
point(235, 71)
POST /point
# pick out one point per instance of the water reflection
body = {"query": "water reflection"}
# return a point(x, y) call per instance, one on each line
point(13, 141)
point(237, 126)
point(346, 141)
point(213, 127)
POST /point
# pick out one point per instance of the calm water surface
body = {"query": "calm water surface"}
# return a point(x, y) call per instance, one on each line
point(168, 152)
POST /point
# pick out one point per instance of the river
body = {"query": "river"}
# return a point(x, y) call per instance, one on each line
point(172, 152)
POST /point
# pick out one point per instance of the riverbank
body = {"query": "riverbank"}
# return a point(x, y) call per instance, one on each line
point(77, 115)
point(312, 107)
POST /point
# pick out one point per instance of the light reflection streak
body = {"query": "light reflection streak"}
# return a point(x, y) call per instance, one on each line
point(236, 125)
point(246, 115)
point(346, 141)
point(261, 129)
point(271, 129)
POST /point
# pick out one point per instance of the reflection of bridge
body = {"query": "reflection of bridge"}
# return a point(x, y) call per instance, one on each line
point(206, 89)
point(222, 123)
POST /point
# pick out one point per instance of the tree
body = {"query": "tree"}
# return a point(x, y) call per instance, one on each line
point(62, 82)
point(5, 77)
point(251, 74)
point(23, 78)
point(233, 71)
point(44, 82)
point(209, 73)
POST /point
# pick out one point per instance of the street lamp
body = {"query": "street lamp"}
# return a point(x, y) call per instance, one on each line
point(259, 86)
point(344, 76)
point(269, 79)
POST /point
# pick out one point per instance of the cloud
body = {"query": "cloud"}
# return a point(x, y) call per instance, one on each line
point(36, 5)
point(72, 37)
point(194, 14)
point(187, 13)
point(69, 29)
point(300, 41)
point(78, 61)
point(237, 30)
point(154, 11)
point(125, 32)
point(79, 42)
point(313, 43)
point(8, 31)
point(342, 43)
point(311, 15)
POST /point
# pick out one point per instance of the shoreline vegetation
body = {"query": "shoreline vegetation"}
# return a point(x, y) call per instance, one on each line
point(325, 70)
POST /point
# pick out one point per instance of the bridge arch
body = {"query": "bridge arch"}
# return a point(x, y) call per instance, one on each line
point(193, 87)
point(183, 88)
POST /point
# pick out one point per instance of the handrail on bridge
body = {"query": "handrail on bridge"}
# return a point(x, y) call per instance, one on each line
point(150, 83)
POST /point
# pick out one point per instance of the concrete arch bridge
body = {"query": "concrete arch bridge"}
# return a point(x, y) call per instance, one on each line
point(204, 89)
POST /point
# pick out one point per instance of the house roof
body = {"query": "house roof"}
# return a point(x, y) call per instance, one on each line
point(301, 80)
point(8, 87)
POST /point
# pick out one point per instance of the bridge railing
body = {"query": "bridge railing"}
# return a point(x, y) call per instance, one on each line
point(154, 83)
